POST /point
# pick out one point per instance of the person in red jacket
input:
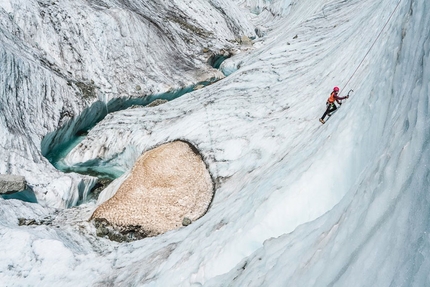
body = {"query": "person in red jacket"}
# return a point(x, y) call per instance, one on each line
point(331, 106)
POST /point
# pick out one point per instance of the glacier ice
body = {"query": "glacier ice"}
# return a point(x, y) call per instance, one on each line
point(297, 203)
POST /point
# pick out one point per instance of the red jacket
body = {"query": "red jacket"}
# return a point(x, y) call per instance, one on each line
point(334, 97)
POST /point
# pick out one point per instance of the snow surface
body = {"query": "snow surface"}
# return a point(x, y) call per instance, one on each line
point(297, 203)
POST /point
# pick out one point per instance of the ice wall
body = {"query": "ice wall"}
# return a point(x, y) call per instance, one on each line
point(378, 233)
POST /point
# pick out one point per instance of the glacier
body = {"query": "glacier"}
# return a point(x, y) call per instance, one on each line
point(296, 203)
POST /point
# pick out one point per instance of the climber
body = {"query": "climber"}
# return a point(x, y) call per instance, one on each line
point(331, 106)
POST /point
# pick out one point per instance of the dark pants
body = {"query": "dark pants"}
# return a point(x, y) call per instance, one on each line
point(330, 108)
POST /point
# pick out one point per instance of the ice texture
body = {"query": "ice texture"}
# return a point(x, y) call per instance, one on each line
point(297, 203)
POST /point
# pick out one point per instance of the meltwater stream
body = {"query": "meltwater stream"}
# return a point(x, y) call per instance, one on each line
point(56, 145)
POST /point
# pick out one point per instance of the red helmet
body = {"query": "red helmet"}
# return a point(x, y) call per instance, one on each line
point(336, 89)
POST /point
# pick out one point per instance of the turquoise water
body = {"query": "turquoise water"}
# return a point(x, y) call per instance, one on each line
point(55, 146)
point(26, 195)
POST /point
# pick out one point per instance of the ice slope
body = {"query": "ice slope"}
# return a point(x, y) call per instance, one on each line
point(378, 233)
point(297, 203)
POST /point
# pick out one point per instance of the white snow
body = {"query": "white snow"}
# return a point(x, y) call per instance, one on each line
point(297, 203)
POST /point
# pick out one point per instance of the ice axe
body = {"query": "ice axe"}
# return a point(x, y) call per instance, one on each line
point(348, 94)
